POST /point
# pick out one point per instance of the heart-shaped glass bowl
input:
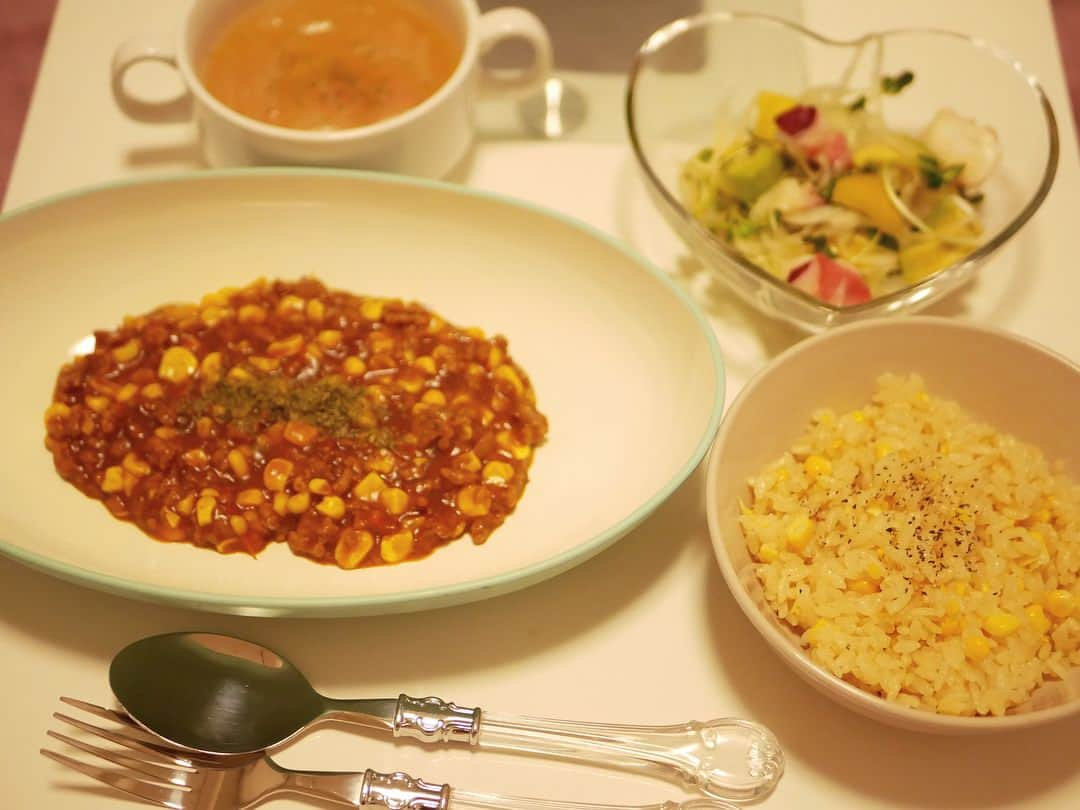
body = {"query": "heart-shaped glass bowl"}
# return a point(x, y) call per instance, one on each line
point(697, 75)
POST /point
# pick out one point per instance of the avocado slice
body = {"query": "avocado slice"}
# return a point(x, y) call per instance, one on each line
point(752, 173)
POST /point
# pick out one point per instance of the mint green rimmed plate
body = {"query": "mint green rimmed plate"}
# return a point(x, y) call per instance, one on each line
point(626, 369)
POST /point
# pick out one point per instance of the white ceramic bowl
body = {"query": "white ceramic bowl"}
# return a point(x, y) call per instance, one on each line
point(1018, 386)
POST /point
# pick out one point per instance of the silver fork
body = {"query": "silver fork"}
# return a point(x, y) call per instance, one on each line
point(159, 774)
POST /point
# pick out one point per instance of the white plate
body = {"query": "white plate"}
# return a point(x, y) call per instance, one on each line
point(625, 368)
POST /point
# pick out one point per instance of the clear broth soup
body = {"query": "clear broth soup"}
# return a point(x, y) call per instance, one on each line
point(329, 64)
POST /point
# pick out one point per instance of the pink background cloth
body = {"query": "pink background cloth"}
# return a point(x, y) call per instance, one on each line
point(24, 25)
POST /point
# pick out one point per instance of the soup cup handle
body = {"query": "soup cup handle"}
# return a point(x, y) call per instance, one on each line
point(501, 24)
point(147, 48)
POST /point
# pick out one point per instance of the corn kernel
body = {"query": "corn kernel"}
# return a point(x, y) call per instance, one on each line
point(470, 462)
point(352, 547)
point(495, 357)
point(976, 647)
point(196, 457)
point(372, 309)
point(204, 510)
point(497, 472)
point(354, 366)
point(316, 310)
point(882, 449)
point(300, 433)
point(298, 503)
point(474, 332)
point(798, 532)
point(959, 587)
point(396, 547)
point(204, 426)
point(509, 373)
point(767, 553)
point(426, 363)
point(944, 448)
point(380, 343)
point(1042, 515)
point(394, 500)
point(127, 392)
point(858, 416)
point(411, 385)
point(1000, 625)
point(238, 524)
point(863, 586)
point(186, 505)
point(1036, 617)
point(813, 635)
point(875, 571)
point(370, 486)
point(319, 486)
point(171, 518)
point(113, 480)
point(817, 465)
point(220, 298)
point(782, 474)
point(290, 303)
point(382, 463)
point(876, 508)
point(56, 410)
point(277, 473)
point(97, 404)
point(249, 497)
point(267, 365)
point(332, 506)
point(286, 347)
point(281, 503)
point(952, 606)
point(474, 501)
point(128, 351)
point(238, 463)
point(950, 626)
point(214, 315)
point(135, 465)
point(153, 391)
point(433, 396)
point(210, 367)
point(1060, 603)
point(251, 313)
point(506, 441)
point(330, 338)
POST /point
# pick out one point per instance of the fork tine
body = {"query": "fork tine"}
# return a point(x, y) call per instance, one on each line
point(156, 771)
point(116, 715)
point(161, 795)
point(154, 755)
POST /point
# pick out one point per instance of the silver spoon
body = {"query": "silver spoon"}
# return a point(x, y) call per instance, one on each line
point(223, 695)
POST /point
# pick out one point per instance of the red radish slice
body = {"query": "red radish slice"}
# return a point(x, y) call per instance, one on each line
point(795, 120)
point(830, 281)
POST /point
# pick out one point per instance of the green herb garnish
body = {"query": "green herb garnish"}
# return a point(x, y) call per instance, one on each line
point(886, 240)
point(821, 245)
point(857, 104)
point(894, 84)
point(827, 190)
point(744, 228)
point(331, 404)
point(705, 155)
point(937, 175)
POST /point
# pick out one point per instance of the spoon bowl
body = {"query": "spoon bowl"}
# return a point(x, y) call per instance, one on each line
point(225, 695)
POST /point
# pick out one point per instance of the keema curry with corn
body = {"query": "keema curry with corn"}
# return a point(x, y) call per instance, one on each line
point(359, 431)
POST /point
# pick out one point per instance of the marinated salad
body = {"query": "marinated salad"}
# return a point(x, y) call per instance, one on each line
point(819, 191)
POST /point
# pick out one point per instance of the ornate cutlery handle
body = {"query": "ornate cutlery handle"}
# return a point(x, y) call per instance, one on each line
point(724, 759)
point(399, 791)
